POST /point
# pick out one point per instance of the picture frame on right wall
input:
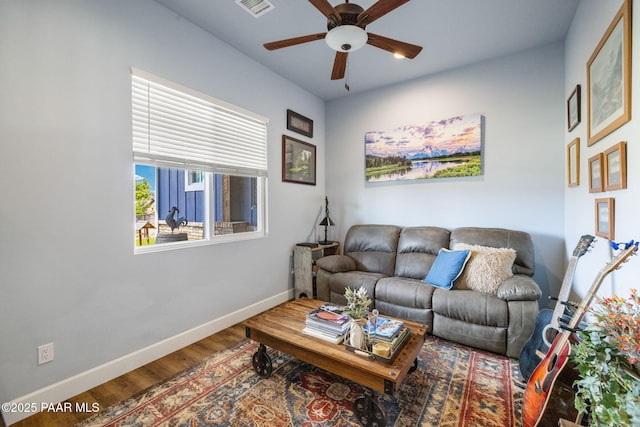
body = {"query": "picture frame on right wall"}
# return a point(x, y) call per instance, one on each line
point(573, 163)
point(615, 167)
point(609, 78)
point(605, 218)
point(595, 166)
point(573, 109)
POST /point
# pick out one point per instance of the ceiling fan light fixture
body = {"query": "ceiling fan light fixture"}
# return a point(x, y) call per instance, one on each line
point(398, 55)
point(346, 38)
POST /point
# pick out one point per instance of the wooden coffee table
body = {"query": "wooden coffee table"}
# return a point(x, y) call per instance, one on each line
point(281, 328)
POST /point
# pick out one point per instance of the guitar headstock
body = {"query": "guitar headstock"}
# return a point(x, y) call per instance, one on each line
point(583, 245)
point(628, 249)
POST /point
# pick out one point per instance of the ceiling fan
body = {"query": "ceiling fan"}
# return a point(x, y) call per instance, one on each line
point(346, 25)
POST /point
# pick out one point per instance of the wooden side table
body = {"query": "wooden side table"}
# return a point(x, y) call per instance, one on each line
point(304, 267)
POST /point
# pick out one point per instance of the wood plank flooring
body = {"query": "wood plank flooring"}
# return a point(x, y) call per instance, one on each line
point(129, 384)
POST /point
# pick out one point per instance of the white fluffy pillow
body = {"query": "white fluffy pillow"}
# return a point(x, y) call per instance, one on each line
point(487, 268)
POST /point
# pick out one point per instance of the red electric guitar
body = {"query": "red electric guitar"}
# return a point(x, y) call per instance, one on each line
point(549, 394)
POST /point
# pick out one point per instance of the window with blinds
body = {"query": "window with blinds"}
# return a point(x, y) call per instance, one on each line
point(200, 167)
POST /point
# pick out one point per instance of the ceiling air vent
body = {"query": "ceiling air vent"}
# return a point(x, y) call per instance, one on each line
point(256, 8)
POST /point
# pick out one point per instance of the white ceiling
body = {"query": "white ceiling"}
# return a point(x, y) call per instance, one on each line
point(453, 33)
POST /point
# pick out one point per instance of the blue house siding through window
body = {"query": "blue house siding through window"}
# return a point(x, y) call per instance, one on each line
point(171, 192)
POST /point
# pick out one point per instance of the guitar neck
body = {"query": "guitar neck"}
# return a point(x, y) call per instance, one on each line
point(565, 290)
point(611, 266)
point(581, 309)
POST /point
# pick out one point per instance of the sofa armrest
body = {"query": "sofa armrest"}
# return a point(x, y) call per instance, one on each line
point(336, 263)
point(520, 287)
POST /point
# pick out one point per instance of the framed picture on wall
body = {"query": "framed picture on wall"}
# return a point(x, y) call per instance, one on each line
point(573, 163)
point(299, 123)
point(615, 166)
point(596, 182)
point(609, 78)
point(605, 218)
point(298, 161)
point(573, 109)
point(445, 148)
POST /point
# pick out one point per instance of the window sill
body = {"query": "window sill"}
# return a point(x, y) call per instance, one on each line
point(225, 238)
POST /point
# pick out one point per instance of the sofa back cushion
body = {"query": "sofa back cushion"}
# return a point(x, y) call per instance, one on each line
point(417, 250)
point(373, 247)
point(500, 238)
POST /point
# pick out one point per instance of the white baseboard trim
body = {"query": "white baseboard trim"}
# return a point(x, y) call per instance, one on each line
point(84, 381)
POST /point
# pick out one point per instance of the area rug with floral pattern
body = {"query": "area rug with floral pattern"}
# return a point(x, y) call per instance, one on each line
point(454, 385)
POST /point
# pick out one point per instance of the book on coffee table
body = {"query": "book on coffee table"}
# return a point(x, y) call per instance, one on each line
point(330, 318)
point(386, 329)
point(323, 334)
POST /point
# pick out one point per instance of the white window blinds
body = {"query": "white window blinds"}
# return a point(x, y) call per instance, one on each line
point(175, 126)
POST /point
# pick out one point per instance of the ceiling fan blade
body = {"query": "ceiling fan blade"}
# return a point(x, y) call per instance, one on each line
point(327, 10)
point(394, 46)
point(294, 41)
point(339, 66)
point(378, 9)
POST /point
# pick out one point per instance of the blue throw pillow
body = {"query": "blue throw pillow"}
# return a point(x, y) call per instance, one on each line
point(447, 267)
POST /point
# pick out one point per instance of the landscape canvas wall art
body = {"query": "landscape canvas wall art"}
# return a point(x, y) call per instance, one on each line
point(439, 149)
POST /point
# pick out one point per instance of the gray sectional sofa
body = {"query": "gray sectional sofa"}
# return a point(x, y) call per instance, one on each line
point(391, 262)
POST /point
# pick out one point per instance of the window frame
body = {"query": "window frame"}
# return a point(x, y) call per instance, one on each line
point(209, 170)
point(194, 185)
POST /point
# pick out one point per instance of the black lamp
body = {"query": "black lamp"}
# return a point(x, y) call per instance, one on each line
point(326, 222)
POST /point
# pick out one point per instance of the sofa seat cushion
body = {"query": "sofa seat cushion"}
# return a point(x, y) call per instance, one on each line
point(404, 292)
point(471, 307)
point(405, 298)
point(353, 279)
point(485, 337)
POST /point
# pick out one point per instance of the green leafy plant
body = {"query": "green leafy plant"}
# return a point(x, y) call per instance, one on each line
point(144, 197)
point(607, 360)
point(358, 302)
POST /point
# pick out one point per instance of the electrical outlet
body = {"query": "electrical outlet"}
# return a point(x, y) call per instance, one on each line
point(45, 353)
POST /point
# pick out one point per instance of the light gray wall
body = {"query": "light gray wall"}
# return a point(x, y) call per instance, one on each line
point(67, 269)
point(68, 274)
point(522, 100)
point(589, 25)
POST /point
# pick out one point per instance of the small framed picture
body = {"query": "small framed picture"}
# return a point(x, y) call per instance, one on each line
point(298, 161)
point(596, 182)
point(573, 109)
point(605, 218)
point(299, 123)
point(573, 163)
point(615, 166)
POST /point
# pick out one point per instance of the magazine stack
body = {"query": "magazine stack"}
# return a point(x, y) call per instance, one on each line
point(327, 322)
point(388, 330)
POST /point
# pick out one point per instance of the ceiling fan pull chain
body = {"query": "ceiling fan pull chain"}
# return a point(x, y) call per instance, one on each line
point(346, 80)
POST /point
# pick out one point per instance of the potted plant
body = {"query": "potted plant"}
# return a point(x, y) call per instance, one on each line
point(608, 362)
point(358, 303)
